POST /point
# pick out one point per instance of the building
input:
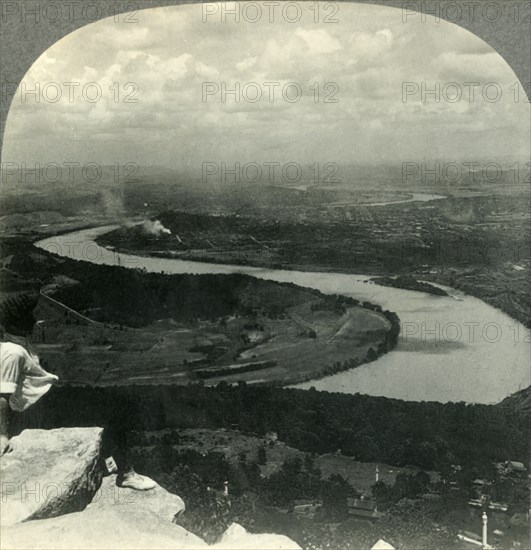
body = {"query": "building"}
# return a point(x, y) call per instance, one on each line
point(303, 508)
point(364, 509)
point(511, 468)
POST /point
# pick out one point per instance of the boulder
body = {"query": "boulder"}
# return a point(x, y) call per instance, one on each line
point(382, 545)
point(49, 473)
point(158, 501)
point(120, 519)
point(237, 538)
point(56, 474)
point(117, 518)
point(113, 528)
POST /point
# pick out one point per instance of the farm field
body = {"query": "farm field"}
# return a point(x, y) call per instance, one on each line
point(235, 445)
point(262, 331)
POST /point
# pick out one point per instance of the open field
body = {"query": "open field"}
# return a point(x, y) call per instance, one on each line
point(210, 328)
point(138, 356)
point(233, 445)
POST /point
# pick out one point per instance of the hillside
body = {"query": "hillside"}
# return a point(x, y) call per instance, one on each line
point(110, 325)
point(519, 401)
point(321, 451)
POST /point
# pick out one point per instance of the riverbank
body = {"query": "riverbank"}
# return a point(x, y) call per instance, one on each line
point(154, 328)
point(448, 350)
point(486, 259)
point(407, 282)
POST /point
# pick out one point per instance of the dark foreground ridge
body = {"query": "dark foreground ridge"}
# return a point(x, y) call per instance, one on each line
point(429, 435)
point(276, 447)
point(63, 501)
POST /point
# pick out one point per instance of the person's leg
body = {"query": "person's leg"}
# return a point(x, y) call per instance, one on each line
point(127, 477)
point(115, 442)
point(115, 446)
point(120, 418)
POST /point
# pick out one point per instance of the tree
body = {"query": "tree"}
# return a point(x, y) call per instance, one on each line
point(335, 493)
point(261, 456)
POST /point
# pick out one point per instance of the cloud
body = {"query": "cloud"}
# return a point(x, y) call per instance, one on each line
point(471, 67)
point(246, 63)
point(163, 61)
point(366, 46)
point(318, 41)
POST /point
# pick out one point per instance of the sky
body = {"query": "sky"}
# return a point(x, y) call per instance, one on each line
point(171, 54)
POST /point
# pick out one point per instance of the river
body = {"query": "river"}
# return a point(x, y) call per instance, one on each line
point(455, 348)
point(415, 197)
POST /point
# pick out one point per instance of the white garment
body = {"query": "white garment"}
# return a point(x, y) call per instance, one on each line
point(21, 374)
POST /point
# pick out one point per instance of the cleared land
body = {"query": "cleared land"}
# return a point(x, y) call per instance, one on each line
point(234, 445)
point(250, 330)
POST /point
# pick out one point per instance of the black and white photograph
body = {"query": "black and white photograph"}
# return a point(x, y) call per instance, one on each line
point(265, 275)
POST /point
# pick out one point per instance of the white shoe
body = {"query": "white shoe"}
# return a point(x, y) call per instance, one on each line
point(135, 481)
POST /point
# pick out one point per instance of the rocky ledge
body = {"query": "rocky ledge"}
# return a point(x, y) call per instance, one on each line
point(49, 473)
point(54, 496)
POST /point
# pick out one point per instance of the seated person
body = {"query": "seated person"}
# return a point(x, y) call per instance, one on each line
point(23, 381)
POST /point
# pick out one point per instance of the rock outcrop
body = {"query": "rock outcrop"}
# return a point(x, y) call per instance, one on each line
point(117, 519)
point(94, 516)
point(49, 473)
point(158, 501)
point(382, 545)
point(237, 538)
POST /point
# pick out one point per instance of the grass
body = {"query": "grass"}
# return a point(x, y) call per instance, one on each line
point(298, 344)
point(361, 475)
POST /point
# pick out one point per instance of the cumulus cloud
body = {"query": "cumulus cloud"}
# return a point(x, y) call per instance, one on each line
point(246, 63)
point(152, 110)
point(318, 41)
point(366, 46)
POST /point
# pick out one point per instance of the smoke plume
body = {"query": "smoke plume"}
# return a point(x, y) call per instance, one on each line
point(155, 228)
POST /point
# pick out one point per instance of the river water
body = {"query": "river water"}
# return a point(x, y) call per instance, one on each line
point(455, 348)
